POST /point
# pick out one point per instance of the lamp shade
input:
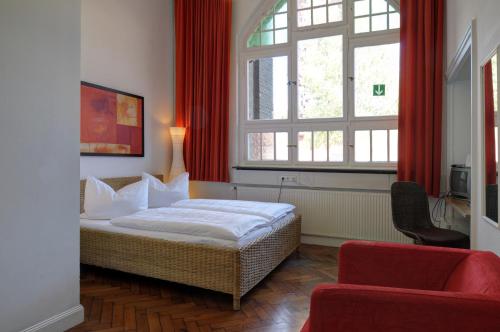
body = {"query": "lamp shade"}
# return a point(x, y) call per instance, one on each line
point(177, 134)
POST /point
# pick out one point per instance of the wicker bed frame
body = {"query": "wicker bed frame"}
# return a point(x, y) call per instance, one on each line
point(228, 270)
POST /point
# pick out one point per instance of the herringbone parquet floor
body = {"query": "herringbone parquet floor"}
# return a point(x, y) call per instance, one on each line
point(116, 301)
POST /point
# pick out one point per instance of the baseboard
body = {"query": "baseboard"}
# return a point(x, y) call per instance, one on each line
point(60, 322)
point(322, 240)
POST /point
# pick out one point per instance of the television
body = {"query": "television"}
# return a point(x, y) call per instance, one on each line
point(460, 181)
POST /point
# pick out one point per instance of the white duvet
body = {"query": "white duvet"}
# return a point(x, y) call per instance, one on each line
point(196, 222)
point(269, 211)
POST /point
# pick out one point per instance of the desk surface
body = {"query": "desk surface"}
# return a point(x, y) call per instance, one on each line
point(459, 205)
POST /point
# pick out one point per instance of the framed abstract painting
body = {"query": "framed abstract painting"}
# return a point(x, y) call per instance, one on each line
point(111, 122)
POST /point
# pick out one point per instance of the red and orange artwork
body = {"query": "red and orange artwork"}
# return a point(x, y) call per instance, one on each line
point(111, 122)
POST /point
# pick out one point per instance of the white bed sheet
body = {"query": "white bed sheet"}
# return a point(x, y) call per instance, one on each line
point(106, 226)
point(196, 222)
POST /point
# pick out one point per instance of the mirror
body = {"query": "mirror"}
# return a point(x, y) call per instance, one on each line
point(490, 102)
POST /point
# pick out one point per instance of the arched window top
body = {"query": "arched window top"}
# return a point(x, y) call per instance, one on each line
point(273, 28)
point(366, 16)
point(316, 12)
point(374, 15)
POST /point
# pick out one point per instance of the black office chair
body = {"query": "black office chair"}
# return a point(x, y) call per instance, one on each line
point(411, 216)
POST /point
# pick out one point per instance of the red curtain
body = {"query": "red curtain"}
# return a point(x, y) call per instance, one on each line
point(489, 125)
point(421, 93)
point(203, 46)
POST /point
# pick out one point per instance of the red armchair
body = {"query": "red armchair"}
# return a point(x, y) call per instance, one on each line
point(392, 287)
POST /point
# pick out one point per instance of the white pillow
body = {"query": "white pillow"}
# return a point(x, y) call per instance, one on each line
point(102, 202)
point(164, 195)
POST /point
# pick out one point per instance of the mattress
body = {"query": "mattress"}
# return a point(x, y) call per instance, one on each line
point(106, 226)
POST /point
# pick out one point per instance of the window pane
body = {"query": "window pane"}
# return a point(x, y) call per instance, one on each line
point(319, 3)
point(267, 38)
point(267, 146)
point(319, 15)
point(362, 146)
point(393, 144)
point(254, 146)
point(281, 21)
point(335, 13)
point(305, 146)
point(303, 4)
point(254, 40)
point(264, 34)
point(320, 146)
point(267, 23)
point(376, 72)
point(394, 21)
point(362, 25)
point(374, 15)
point(361, 8)
point(282, 146)
point(268, 88)
point(379, 6)
point(379, 145)
point(304, 18)
point(379, 22)
point(281, 36)
point(320, 82)
point(281, 6)
point(336, 146)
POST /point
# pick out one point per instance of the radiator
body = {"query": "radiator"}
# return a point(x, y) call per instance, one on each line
point(337, 214)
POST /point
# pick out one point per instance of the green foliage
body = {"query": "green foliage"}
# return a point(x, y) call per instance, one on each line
point(320, 69)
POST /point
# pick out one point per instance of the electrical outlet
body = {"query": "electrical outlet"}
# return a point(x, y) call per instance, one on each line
point(288, 179)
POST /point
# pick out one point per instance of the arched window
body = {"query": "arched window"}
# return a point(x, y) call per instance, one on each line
point(321, 84)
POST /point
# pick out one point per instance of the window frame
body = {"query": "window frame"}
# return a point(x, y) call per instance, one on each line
point(265, 129)
point(320, 127)
point(295, 24)
point(369, 34)
point(348, 123)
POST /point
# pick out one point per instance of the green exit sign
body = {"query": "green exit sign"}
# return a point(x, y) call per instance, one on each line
point(379, 90)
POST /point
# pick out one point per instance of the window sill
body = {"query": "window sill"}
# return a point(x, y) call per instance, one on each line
point(317, 170)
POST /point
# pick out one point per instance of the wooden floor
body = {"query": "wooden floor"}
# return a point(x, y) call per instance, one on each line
point(116, 301)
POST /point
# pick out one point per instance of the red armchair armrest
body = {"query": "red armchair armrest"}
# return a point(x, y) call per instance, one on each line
point(397, 265)
point(354, 308)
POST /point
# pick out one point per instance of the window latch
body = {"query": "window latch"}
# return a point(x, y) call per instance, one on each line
point(290, 83)
point(291, 145)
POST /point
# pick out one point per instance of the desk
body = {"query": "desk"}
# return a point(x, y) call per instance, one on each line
point(459, 205)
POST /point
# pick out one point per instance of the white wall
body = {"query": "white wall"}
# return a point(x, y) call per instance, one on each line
point(459, 16)
point(39, 144)
point(128, 45)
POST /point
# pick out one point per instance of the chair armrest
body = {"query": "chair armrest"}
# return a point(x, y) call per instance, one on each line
point(369, 308)
point(397, 265)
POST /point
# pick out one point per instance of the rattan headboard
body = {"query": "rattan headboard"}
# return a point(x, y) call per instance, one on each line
point(115, 183)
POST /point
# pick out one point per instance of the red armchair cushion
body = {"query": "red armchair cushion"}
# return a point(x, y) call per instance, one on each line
point(351, 308)
point(479, 273)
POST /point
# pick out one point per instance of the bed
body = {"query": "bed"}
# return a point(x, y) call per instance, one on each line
point(223, 267)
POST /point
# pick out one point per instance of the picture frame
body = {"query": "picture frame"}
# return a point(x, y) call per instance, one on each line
point(111, 122)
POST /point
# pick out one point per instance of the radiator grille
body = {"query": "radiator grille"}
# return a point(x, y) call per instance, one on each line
point(336, 214)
